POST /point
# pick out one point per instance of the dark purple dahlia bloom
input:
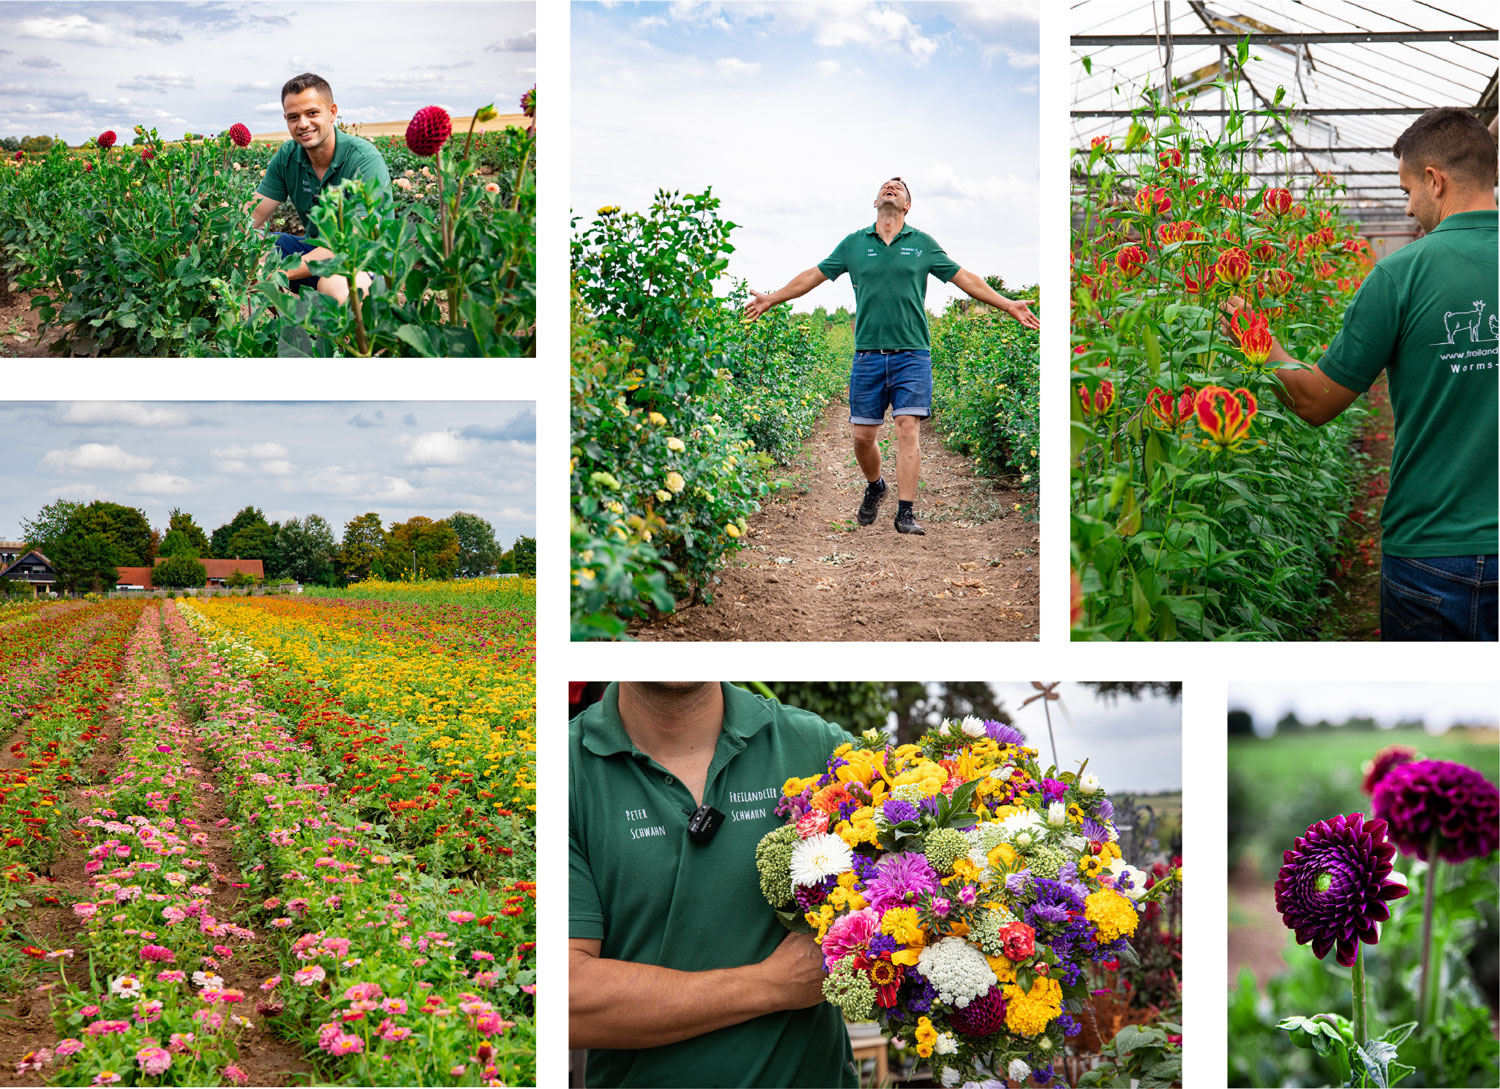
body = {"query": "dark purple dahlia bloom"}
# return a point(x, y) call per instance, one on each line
point(983, 1016)
point(1438, 799)
point(1387, 759)
point(1334, 884)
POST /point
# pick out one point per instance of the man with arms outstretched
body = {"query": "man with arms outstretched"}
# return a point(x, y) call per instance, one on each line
point(316, 157)
point(1426, 315)
point(889, 263)
point(679, 972)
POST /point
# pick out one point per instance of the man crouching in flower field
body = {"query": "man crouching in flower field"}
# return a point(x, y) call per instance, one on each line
point(889, 263)
point(1426, 315)
point(679, 973)
point(316, 157)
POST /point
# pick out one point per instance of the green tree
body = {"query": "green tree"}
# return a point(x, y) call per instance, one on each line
point(86, 561)
point(305, 550)
point(249, 518)
point(181, 521)
point(478, 553)
point(125, 528)
point(239, 579)
point(50, 524)
point(178, 543)
point(255, 542)
point(432, 545)
point(522, 557)
point(364, 540)
point(178, 573)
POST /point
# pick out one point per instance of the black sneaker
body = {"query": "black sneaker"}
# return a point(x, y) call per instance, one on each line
point(869, 507)
point(906, 522)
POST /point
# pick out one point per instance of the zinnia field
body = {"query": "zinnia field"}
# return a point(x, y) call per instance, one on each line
point(271, 840)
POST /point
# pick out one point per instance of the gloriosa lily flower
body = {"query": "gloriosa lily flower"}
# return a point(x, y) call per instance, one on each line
point(1233, 266)
point(1253, 331)
point(1130, 261)
point(1097, 404)
point(1170, 411)
point(1225, 415)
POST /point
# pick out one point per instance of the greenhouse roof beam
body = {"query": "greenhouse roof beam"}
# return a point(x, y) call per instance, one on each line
point(1324, 111)
point(1350, 37)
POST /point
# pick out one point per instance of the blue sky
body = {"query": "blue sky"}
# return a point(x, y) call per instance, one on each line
point(398, 459)
point(794, 113)
point(74, 70)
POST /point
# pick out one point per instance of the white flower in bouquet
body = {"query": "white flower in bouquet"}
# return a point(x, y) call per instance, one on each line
point(945, 1044)
point(1057, 814)
point(818, 857)
point(943, 730)
point(951, 1076)
point(972, 727)
point(1003, 774)
point(1119, 868)
point(958, 971)
point(1088, 784)
point(1018, 1070)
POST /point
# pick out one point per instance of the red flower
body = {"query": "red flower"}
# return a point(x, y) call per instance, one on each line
point(106, 138)
point(1170, 158)
point(1253, 332)
point(1153, 198)
point(1018, 940)
point(239, 134)
point(1276, 281)
point(429, 130)
point(19, 156)
point(528, 103)
point(1099, 402)
point(1169, 411)
point(1265, 251)
point(1233, 266)
point(1278, 201)
point(1101, 141)
point(147, 154)
point(1179, 230)
point(1130, 261)
point(1225, 415)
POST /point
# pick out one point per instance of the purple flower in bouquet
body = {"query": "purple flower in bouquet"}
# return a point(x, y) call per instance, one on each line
point(1004, 733)
point(983, 1016)
point(1334, 884)
point(1385, 761)
point(810, 896)
point(899, 881)
point(897, 810)
point(1054, 789)
point(1438, 801)
point(1106, 810)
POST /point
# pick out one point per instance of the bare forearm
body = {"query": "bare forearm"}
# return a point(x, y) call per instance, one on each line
point(799, 285)
point(971, 285)
point(617, 1004)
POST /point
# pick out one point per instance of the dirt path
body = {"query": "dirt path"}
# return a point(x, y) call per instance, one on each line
point(1354, 606)
point(810, 572)
point(1257, 936)
point(18, 328)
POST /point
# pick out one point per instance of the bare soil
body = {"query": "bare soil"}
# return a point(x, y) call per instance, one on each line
point(1354, 605)
point(19, 328)
point(1257, 936)
point(809, 571)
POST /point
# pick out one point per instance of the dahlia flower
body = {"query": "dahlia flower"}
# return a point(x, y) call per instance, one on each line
point(1334, 884)
point(106, 138)
point(1437, 803)
point(429, 130)
point(239, 134)
point(899, 880)
point(1386, 760)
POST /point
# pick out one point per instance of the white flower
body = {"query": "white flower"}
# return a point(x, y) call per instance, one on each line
point(817, 857)
point(943, 730)
point(950, 1076)
point(1018, 1070)
point(207, 981)
point(959, 972)
point(1003, 774)
point(1089, 784)
point(1057, 814)
point(126, 987)
point(1044, 1043)
point(1119, 868)
point(945, 1044)
point(972, 727)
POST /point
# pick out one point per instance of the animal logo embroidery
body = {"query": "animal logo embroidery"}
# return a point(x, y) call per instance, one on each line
point(1471, 323)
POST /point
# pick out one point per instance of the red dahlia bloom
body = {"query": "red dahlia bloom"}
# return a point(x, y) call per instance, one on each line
point(1018, 939)
point(983, 1016)
point(20, 155)
point(239, 134)
point(1437, 803)
point(429, 130)
point(106, 138)
point(1386, 760)
point(147, 154)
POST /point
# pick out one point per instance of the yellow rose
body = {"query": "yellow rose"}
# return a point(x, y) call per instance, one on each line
point(675, 445)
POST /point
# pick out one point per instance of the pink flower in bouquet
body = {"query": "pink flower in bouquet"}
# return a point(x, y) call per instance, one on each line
point(1019, 940)
point(812, 824)
point(850, 934)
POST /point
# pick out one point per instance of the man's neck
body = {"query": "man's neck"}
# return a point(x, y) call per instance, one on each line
point(888, 223)
point(1468, 202)
point(669, 725)
point(322, 156)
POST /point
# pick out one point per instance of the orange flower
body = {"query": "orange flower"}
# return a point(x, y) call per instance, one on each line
point(1170, 158)
point(1101, 141)
point(1233, 266)
point(1253, 331)
point(1225, 415)
point(1153, 198)
point(1179, 230)
point(1168, 411)
point(1278, 201)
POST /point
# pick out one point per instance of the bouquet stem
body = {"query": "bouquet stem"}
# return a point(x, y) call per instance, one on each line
point(1361, 1021)
point(1426, 989)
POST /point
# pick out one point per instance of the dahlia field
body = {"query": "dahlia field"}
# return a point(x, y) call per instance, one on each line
point(147, 249)
point(270, 840)
point(1201, 507)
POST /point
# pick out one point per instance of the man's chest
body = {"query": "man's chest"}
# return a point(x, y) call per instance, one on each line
point(901, 265)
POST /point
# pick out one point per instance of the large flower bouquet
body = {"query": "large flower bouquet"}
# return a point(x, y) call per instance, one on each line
point(957, 891)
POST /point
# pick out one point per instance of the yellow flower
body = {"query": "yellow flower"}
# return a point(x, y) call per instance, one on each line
point(656, 419)
point(675, 483)
point(1112, 915)
point(675, 445)
point(903, 925)
point(609, 209)
point(926, 1037)
point(1029, 1014)
point(732, 529)
point(663, 496)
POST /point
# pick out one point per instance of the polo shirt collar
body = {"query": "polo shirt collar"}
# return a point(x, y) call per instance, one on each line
point(906, 229)
point(745, 715)
point(340, 155)
point(1466, 221)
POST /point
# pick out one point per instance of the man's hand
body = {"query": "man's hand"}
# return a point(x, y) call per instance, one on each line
point(798, 964)
point(759, 303)
point(800, 285)
point(1018, 309)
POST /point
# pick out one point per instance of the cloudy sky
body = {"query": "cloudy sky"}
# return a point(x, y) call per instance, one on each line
point(1437, 706)
point(795, 112)
point(75, 70)
point(398, 459)
point(1132, 745)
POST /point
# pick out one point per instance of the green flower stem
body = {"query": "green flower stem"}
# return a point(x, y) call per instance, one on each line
point(1426, 994)
point(1361, 1021)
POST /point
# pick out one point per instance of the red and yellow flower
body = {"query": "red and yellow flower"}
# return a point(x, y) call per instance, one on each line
point(1170, 411)
point(1225, 415)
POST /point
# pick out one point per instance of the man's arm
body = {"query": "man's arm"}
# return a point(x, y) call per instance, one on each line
point(618, 1004)
point(1307, 391)
point(973, 286)
point(800, 285)
point(262, 211)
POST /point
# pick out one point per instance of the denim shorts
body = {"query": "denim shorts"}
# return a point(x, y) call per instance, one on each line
point(901, 380)
point(1436, 599)
point(292, 245)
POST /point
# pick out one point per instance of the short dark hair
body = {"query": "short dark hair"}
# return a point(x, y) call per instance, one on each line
point(1451, 138)
point(306, 82)
point(894, 178)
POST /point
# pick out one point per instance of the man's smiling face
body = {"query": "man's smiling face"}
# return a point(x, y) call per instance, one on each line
point(309, 118)
point(893, 193)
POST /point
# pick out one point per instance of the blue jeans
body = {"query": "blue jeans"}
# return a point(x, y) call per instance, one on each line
point(292, 245)
point(1437, 599)
point(900, 379)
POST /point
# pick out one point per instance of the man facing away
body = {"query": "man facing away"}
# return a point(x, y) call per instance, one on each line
point(889, 263)
point(679, 972)
point(1426, 315)
point(316, 157)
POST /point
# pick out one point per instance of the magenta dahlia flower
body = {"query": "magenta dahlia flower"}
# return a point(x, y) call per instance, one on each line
point(850, 934)
point(1334, 884)
point(1439, 801)
point(239, 134)
point(106, 138)
point(900, 880)
point(429, 130)
point(1392, 756)
point(983, 1016)
point(147, 154)
point(528, 103)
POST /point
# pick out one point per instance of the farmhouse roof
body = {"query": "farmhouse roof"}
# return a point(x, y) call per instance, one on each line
point(133, 576)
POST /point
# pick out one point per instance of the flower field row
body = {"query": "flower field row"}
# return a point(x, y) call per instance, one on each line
point(1202, 508)
point(148, 251)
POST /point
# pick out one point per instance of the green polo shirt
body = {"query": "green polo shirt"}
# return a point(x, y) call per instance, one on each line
point(1427, 315)
point(651, 895)
point(290, 173)
point(890, 285)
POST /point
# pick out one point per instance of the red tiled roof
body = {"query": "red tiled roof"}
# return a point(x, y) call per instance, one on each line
point(133, 576)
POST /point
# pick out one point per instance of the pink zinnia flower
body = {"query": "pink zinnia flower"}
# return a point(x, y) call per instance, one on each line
point(306, 977)
point(236, 1075)
point(460, 916)
point(346, 1044)
point(850, 934)
point(153, 1061)
point(157, 953)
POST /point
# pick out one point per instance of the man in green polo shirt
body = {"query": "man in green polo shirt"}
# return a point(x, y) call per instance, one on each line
point(317, 156)
point(1426, 315)
point(679, 974)
point(889, 263)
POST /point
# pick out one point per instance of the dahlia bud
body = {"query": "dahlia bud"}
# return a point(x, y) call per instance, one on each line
point(1233, 266)
point(239, 134)
point(140, 130)
point(106, 138)
point(486, 113)
point(528, 103)
point(429, 130)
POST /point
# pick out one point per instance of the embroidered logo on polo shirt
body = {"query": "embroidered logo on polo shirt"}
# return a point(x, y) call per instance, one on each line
point(910, 251)
point(639, 830)
point(1474, 339)
point(753, 805)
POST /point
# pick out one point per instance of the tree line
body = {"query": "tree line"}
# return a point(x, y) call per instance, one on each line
point(87, 544)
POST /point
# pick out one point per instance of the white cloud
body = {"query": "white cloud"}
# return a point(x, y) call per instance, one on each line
point(439, 448)
point(131, 413)
point(735, 68)
point(160, 483)
point(231, 466)
point(68, 28)
point(873, 27)
point(397, 490)
point(83, 493)
point(279, 467)
point(521, 43)
point(828, 67)
point(268, 450)
point(94, 455)
point(158, 81)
